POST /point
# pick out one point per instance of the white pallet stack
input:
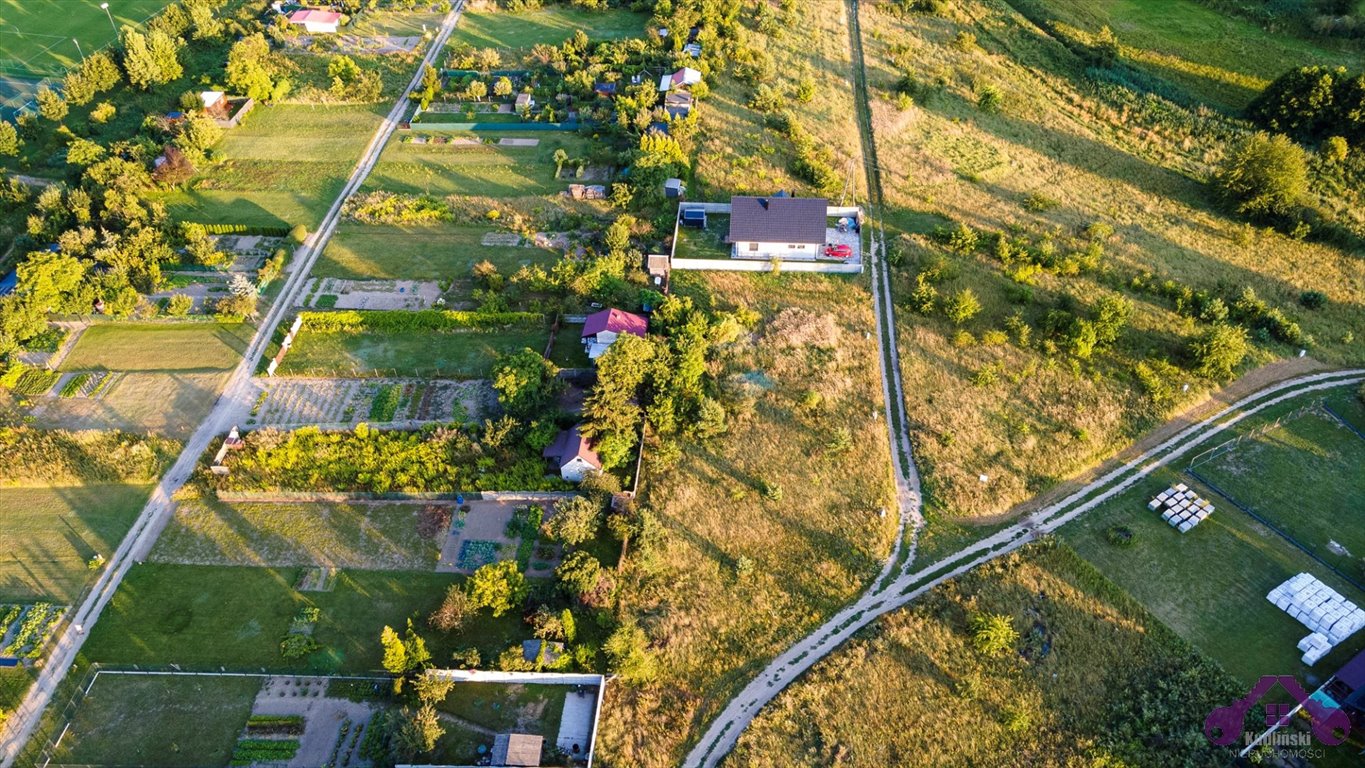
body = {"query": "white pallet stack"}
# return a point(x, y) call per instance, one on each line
point(1181, 507)
point(1330, 617)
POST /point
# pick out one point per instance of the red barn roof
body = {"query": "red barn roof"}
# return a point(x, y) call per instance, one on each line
point(616, 321)
point(316, 17)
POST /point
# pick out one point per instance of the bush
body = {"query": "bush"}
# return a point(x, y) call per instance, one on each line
point(1313, 299)
point(299, 233)
point(296, 646)
point(179, 305)
point(1218, 350)
point(993, 634)
point(1120, 536)
point(1264, 175)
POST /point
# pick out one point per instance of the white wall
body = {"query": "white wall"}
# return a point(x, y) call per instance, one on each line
point(756, 265)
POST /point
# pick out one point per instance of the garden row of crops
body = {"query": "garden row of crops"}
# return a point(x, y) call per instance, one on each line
point(37, 622)
point(250, 751)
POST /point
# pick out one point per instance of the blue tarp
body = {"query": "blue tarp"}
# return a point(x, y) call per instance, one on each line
point(8, 283)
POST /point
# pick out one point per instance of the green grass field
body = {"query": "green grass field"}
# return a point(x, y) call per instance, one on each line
point(459, 354)
point(486, 170)
point(379, 537)
point(1306, 478)
point(171, 404)
point(37, 36)
point(1209, 584)
point(1171, 39)
point(204, 617)
point(533, 709)
point(549, 25)
point(14, 683)
point(166, 721)
point(284, 165)
point(48, 535)
point(188, 347)
point(436, 252)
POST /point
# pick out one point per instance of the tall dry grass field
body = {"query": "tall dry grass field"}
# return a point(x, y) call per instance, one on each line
point(1062, 166)
point(769, 529)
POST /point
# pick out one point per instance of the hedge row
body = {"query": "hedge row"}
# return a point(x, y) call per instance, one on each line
point(359, 320)
point(245, 229)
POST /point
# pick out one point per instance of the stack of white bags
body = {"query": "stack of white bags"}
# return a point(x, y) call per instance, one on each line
point(1181, 507)
point(1331, 617)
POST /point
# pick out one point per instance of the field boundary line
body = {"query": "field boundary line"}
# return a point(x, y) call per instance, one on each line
point(1343, 421)
point(1253, 514)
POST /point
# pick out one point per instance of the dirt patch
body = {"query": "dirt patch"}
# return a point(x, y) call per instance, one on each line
point(502, 239)
point(347, 402)
point(331, 726)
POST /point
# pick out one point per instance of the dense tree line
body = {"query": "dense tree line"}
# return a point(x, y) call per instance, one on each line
point(1314, 103)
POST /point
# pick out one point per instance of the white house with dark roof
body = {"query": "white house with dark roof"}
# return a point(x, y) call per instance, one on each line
point(777, 227)
point(572, 456)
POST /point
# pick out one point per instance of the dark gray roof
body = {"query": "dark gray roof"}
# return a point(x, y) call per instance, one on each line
point(778, 219)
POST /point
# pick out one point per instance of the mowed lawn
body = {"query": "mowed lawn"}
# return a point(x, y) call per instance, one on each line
point(204, 617)
point(283, 166)
point(482, 170)
point(1209, 584)
point(382, 537)
point(554, 25)
point(168, 721)
point(187, 347)
point(38, 36)
point(459, 354)
point(47, 535)
point(1171, 39)
point(1308, 479)
point(416, 252)
point(168, 403)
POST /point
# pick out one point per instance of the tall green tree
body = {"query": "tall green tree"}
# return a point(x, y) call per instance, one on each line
point(526, 383)
point(249, 70)
point(51, 105)
point(151, 59)
point(499, 586)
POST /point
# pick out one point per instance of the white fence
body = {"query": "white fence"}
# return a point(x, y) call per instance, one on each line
point(754, 265)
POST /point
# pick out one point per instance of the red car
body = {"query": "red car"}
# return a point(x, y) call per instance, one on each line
point(838, 251)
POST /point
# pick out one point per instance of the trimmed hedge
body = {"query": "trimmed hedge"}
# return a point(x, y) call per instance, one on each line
point(244, 229)
point(385, 321)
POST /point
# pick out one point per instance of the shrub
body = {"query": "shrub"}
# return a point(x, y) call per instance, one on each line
point(1313, 299)
point(1218, 350)
point(1120, 536)
point(298, 233)
point(1264, 175)
point(179, 305)
point(296, 646)
point(962, 306)
point(993, 634)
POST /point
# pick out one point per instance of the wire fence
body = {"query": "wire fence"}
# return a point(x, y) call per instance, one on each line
point(1231, 445)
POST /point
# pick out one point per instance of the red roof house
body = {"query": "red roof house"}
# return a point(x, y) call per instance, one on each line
point(603, 328)
point(316, 21)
